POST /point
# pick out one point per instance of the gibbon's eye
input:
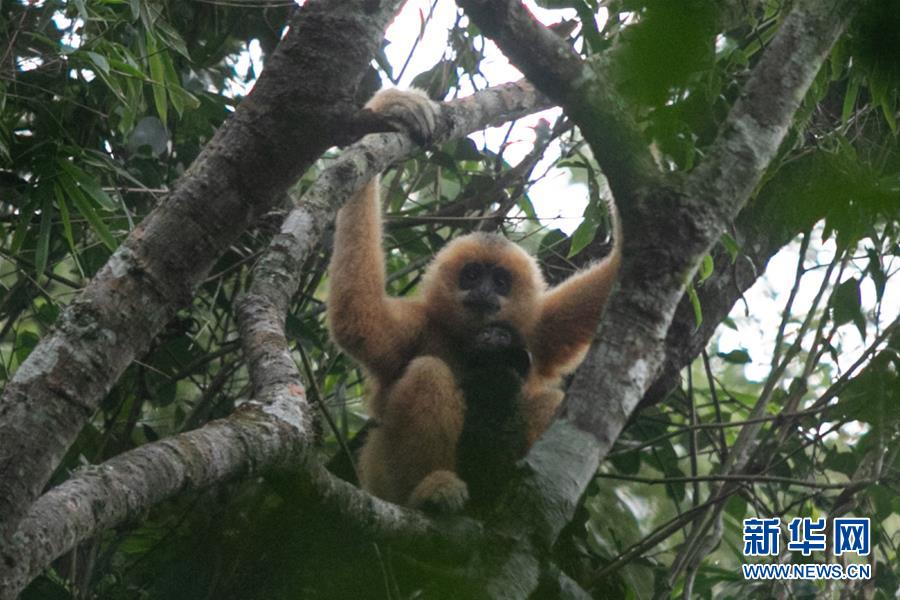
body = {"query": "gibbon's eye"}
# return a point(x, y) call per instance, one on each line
point(470, 275)
point(502, 280)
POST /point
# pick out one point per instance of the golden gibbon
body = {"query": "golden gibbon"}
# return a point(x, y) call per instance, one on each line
point(464, 376)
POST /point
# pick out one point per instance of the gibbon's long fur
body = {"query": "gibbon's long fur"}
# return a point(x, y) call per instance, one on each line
point(412, 348)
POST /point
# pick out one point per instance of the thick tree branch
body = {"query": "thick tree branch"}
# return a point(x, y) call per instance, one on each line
point(668, 228)
point(550, 63)
point(747, 143)
point(259, 436)
point(761, 229)
point(763, 114)
point(125, 487)
point(272, 431)
point(295, 112)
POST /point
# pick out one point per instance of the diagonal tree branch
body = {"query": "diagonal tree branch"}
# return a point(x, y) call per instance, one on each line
point(760, 230)
point(668, 227)
point(298, 108)
point(552, 65)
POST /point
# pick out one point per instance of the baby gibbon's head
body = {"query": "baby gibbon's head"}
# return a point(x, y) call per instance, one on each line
point(481, 278)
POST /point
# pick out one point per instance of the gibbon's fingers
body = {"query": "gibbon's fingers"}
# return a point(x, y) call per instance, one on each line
point(411, 111)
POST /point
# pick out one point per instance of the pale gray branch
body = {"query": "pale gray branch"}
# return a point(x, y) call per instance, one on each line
point(125, 487)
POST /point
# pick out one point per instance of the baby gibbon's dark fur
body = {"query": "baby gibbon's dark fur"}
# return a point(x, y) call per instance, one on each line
point(432, 394)
point(493, 434)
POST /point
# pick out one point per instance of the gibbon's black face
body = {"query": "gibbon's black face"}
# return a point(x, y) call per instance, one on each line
point(480, 278)
point(484, 285)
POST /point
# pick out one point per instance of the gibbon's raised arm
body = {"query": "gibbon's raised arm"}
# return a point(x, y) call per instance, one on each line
point(571, 311)
point(375, 329)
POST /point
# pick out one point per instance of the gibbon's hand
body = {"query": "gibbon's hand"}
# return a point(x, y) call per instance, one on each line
point(409, 111)
point(499, 345)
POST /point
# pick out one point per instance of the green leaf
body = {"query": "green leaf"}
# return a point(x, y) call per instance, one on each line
point(846, 306)
point(557, 4)
point(113, 84)
point(695, 304)
point(177, 94)
point(464, 149)
point(149, 433)
point(838, 59)
point(157, 76)
point(550, 243)
point(63, 209)
point(627, 463)
point(22, 224)
point(583, 236)
point(731, 246)
point(887, 109)
point(100, 61)
point(842, 462)
point(170, 38)
point(127, 69)
point(876, 272)
point(873, 396)
point(64, 216)
point(706, 269)
point(850, 100)
point(134, 105)
point(881, 497)
point(442, 159)
point(42, 249)
point(736, 357)
point(665, 459)
point(736, 507)
point(47, 313)
point(88, 212)
point(25, 343)
point(593, 216)
point(89, 185)
point(82, 9)
point(527, 207)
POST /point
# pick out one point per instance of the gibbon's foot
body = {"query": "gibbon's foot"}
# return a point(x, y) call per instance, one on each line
point(441, 492)
point(410, 111)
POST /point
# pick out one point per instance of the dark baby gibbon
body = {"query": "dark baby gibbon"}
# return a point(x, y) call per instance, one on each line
point(483, 344)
